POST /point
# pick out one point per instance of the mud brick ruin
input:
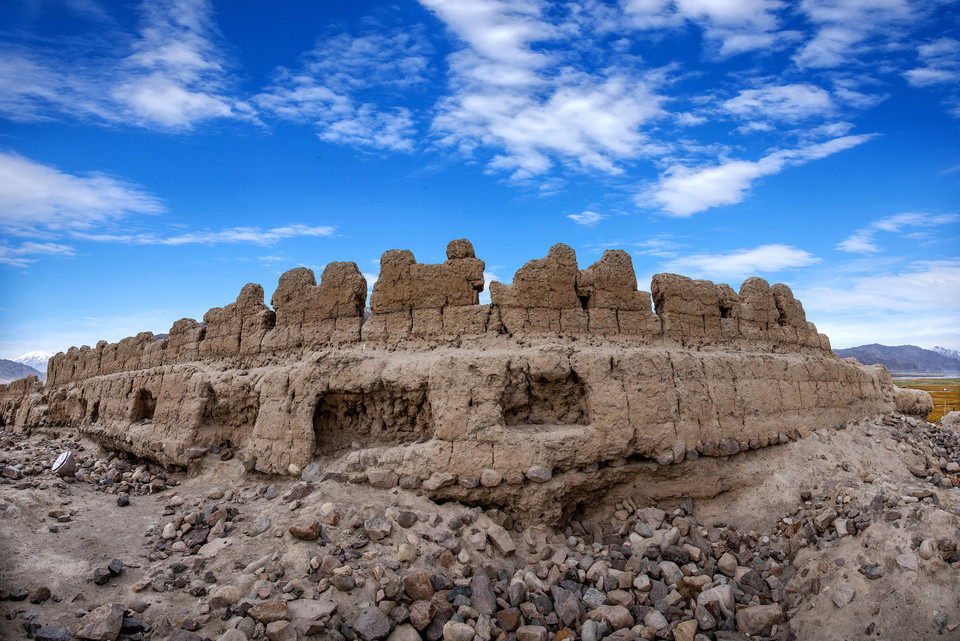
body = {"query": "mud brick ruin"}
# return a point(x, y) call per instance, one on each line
point(568, 380)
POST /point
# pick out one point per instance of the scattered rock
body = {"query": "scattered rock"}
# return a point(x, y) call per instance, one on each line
point(52, 633)
point(842, 596)
point(378, 529)
point(501, 540)
point(454, 631)
point(306, 528)
point(102, 624)
point(753, 619)
point(372, 624)
point(268, 611)
point(727, 564)
point(871, 571)
point(908, 561)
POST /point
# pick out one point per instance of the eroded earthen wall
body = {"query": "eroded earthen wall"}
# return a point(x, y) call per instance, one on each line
point(411, 301)
point(566, 369)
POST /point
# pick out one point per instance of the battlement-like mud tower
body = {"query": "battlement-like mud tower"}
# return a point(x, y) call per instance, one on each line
point(568, 379)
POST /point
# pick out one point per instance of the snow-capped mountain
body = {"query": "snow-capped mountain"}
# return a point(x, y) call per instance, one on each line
point(37, 360)
point(949, 353)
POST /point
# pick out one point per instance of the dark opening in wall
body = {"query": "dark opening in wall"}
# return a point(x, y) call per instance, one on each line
point(144, 405)
point(537, 401)
point(95, 412)
point(384, 416)
point(234, 414)
point(726, 312)
point(584, 301)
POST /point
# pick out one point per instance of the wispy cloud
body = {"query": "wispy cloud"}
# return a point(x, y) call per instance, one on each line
point(529, 106)
point(662, 245)
point(916, 304)
point(42, 201)
point(847, 29)
point(171, 75)
point(367, 127)
point(176, 74)
point(36, 198)
point(488, 277)
point(587, 218)
point(863, 241)
point(743, 262)
point(348, 86)
point(790, 103)
point(233, 235)
point(683, 191)
point(57, 333)
point(940, 63)
point(29, 252)
point(731, 27)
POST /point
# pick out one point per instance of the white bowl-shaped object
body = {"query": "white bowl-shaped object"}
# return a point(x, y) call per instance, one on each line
point(65, 465)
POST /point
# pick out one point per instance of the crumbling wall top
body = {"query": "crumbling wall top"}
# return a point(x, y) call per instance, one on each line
point(405, 285)
point(411, 301)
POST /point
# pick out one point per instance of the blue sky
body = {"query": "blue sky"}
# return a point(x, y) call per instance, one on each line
point(156, 157)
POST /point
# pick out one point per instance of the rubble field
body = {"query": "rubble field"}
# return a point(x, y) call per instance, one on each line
point(850, 532)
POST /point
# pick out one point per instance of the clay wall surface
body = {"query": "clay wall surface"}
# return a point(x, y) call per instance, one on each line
point(567, 368)
point(549, 297)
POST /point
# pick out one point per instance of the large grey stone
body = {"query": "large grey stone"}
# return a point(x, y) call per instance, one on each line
point(372, 624)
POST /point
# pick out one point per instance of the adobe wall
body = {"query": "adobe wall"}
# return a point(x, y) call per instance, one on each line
point(567, 370)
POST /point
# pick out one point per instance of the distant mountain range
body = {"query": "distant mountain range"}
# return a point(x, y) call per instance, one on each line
point(949, 353)
point(12, 370)
point(905, 359)
point(37, 360)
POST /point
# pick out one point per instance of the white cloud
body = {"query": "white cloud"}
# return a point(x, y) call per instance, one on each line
point(33, 86)
point(57, 334)
point(36, 197)
point(661, 245)
point(688, 119)
point(863, 241)
point(488, 277)
point(860, 242)
point(790, 103)
point(587, 218)
point(26, 253)
point(39, 200)
point(593, 122)
point(743, 262)
point(175, 76)
point(731, 27)
point(941, 63)
point(233, 235)
point(924, 285)
point(847, 28)
point(918, 304)
point(683, 191)
point(342, 81)
point(498, 30)
point(171, 76)
point(529, 105)
point(367, 127)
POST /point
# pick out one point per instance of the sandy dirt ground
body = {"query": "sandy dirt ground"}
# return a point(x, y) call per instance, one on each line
point(891, 542)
